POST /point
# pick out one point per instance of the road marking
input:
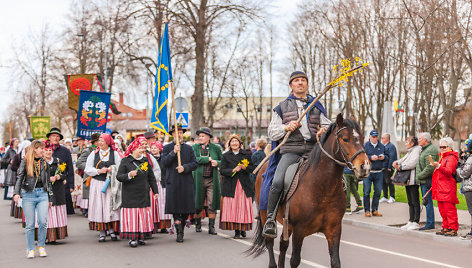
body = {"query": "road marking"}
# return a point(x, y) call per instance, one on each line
point(310, 263)
point(393, 253)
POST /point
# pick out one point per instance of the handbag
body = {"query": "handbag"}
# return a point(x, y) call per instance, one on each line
point(402, 177)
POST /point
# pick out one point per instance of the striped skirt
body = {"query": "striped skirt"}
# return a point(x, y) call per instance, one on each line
point(57, 223)
point(84, 203)
point(100, 215)
point(164, 219)
point(236, 212)
point(136, 223)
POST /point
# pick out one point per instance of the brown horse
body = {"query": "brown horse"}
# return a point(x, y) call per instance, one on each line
point(319, 203)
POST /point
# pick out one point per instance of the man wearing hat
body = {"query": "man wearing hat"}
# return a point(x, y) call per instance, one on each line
point(207, 179)
point(64, 156)
point(377, 154)
point(80, 147)
point(180, 187)
point(300, 142)
point(150, 137)
point(81, 161)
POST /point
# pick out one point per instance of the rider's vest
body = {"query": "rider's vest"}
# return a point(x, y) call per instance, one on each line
point(296, 143)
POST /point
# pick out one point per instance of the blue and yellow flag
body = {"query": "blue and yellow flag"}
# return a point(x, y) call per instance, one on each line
point(159, 120)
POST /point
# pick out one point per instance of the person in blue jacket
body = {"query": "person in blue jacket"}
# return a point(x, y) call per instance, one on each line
point(377, 156)
point(391, 152)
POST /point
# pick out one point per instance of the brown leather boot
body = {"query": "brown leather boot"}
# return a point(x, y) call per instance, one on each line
point(376, 214)
point(367, 214)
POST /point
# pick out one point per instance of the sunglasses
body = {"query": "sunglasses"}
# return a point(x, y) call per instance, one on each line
point(442, 147)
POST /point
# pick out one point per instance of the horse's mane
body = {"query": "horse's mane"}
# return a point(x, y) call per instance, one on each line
point(315, 154)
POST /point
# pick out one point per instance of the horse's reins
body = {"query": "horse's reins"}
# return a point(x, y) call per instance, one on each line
point(347, 162)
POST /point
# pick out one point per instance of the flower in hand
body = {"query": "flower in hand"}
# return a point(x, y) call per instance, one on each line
point(242, 165)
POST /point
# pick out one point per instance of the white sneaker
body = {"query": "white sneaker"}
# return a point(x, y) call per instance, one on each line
point(383, 200)
point(391, 200)
point(42, 252)
point(29, 254)
point(406, 225)
point(413, 226)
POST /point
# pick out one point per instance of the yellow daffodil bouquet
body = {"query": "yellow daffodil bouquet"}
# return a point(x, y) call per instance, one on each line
point(243, 162)
point(142, 167)
point(60, 169)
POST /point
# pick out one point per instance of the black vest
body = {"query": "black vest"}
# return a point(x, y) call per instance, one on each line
point(102, 164)
point(296, 143)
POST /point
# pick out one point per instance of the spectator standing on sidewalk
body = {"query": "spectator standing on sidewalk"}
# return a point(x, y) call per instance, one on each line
point(465, 173)
point(377, 156)
point(408, 162)
point(351, 188)
point(445, 188)
point(391, 152)
point(424, 174)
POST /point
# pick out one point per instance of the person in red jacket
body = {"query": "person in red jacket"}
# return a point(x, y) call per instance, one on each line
point(444, 188)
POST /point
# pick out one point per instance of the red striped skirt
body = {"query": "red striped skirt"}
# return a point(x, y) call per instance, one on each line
point(57, 216)
point(100, 204)
point(135, 222)
point(236, 210)
point(154, 207)
point(15, 211)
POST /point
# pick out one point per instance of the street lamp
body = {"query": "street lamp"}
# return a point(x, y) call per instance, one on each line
point(105, 60)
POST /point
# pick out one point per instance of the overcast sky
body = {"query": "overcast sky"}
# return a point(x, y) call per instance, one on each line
point(21, 17)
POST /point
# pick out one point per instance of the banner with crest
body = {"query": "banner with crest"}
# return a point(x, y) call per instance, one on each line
point(92, 113)
point(40, 126)
point(76, 83)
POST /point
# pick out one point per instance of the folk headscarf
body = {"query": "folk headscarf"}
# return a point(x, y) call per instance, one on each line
point(134, 145)
point(158, 144)
point(109, 140)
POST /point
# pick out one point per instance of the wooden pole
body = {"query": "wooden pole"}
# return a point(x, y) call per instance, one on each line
point(177, 141)
point(327, 88)
point(9, 126)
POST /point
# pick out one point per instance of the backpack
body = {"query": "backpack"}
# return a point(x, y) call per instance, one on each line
point(454, 175)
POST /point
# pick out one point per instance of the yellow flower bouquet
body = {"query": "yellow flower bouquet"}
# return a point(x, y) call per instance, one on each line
point(243, 162)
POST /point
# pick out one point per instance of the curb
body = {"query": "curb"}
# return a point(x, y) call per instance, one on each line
point(398, 231)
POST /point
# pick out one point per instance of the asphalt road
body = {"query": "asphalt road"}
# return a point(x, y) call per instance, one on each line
point(360, 247)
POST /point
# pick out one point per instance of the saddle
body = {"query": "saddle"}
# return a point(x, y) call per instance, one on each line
point(291, 179)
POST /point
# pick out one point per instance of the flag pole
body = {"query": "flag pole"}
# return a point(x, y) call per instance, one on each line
point(177, 141)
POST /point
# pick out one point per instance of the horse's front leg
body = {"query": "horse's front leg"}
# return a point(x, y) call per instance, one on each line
point(333, 235)
point(283, 250)
point(269, 242)
point(297, 242)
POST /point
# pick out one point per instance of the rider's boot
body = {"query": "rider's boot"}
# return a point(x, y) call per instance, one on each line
point(270, 227)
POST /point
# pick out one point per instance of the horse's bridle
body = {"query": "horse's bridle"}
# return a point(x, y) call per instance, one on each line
point(347, 161)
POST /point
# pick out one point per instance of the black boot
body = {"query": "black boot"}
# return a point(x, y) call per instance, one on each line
point(243, 234)
point(270, 227)
point(211, 227)
point(180, 234)
point(198, 225)
point(237, 234)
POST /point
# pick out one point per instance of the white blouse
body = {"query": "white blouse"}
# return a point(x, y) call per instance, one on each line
point(90, 169)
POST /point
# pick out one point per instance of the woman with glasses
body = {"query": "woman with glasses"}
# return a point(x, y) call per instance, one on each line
point(444, 187)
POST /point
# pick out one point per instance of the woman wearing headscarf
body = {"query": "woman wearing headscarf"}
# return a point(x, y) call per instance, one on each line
point(98, 166)
point(162, 221)
point(237, 190)
point(7, 160)
point(137, 177)
point(57, 213)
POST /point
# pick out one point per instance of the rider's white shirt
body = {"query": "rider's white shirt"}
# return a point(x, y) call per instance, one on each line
point(276, 127)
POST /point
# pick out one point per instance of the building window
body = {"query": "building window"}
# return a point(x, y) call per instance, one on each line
point(239, 109)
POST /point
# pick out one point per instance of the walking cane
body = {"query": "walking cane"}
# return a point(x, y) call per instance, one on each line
point(425, 202)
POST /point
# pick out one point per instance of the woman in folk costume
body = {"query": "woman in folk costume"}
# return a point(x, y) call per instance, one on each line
point(100, 215)
point(137, 177)
point(180, 189)
point(57, 213)
point(162, 221)
point(237, 189)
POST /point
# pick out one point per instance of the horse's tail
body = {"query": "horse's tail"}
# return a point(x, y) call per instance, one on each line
point(258, 241)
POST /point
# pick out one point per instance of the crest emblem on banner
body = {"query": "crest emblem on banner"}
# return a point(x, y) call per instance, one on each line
point(76, 83)
point(93, 113)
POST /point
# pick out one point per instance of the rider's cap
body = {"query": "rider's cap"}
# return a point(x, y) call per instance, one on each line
point(297, 74)
point(374, 133)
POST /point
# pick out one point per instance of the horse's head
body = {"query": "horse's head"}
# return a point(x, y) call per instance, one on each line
point(351, 148)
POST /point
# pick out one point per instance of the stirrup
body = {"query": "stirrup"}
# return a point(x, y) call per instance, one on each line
point(270, 229)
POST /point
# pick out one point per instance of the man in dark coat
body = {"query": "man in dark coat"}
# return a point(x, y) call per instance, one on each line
point(180, 189)
point(207, 179)
point(64, 155)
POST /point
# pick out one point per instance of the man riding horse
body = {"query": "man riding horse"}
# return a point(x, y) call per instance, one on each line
point(300, 142)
